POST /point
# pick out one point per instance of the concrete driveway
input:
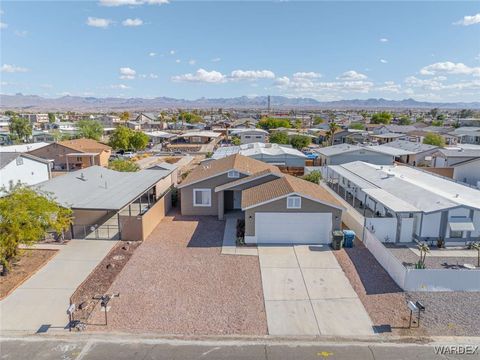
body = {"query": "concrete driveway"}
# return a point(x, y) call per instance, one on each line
point(307, 293)
point(44, 298)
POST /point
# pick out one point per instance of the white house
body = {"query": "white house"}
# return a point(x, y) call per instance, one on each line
point(248, 136)
point(402, 203)
point(22, 168)
point(345, 153)
point(462, 160)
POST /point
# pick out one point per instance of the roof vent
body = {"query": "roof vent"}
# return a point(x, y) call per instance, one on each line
point(457, 195)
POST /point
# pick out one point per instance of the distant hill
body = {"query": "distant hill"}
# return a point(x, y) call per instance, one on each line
point(78, 103)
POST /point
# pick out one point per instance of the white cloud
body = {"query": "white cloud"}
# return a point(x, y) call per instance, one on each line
point(127, 73)
point(449, 67)
point(351, 75)
point(192, 62)
point(217, 59)
point(469, 20)
point(6, 68)
point(383, 40)
point(120, 86)
point(383, 61)
point(132, 2)
point(389, 86)
point(98, 22)
point(178, 61)
point(307, 75)
point(172, 52)
point(152, 54)
point(132, 22)
point(153, 76)
point(252, 74)
point(201, 75)
point(21, 33)
point(3, 25)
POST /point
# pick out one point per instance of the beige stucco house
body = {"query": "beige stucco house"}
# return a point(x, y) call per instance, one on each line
point(278, 208)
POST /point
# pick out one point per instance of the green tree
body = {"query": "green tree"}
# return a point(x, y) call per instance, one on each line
point(357, 126)
point(404, 120)
point(466, 113)
point(437, 123)
point(138, 141)
point(20, 128)
point(315, 176)
point(298, 124)
point(441, 117)
point(236, 140)
point(125, 116)
point(10, 113)
point(268, 123)
point(51, 118)
point(124, 165)
point(35, 214)
point(383, 117)
point(332, 129)
point(279, 137)
point(434, 139)
point(191, 118)
point(120, 138)
point(318, 120)
point(90, 129)
point(433, 113)
point(300, 141)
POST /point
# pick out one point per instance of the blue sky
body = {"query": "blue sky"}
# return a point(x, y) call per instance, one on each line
point(325, 50)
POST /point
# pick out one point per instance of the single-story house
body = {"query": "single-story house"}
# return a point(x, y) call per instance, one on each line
point(196, 137)
point(402, 203)
point(461, 163)
point(248, 136)
point(409, 152)
point(345, 153)
point(467, 134)
point(17, 167)
point(278, 208)
point(74, 154)
point(108, 204)
point(275, 154)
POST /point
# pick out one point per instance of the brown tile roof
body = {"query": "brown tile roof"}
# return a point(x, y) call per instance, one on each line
point(283, 186)
point(238, 162)
point(85, 145)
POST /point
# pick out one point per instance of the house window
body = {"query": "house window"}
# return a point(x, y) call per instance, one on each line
point(294, 202)
point(19, 160)
point(233, 174)
point(248, 137)
point(202, 197)
point(258, 137)
point(456, 234)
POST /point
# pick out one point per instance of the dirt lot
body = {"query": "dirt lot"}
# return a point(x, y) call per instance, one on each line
point(29, 262)
point(177, 282)
point(447, 313)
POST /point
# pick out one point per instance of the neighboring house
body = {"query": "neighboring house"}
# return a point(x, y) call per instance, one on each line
point(108, 204)
point(345, 153)
point(244, 123)
point(462, 163)
point(158, 137)
point(75, 154)
point(35, 118)
point(467, 135)
point(402, 203)
point(195, 137)
point(409, 152)
point(16, 167)
point(278, 208)
point(275, 154)
point(248, 136)
point(23, 148)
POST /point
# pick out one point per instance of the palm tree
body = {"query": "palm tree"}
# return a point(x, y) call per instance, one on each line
point(332, 129)
point(424, 249)
point(476, 246)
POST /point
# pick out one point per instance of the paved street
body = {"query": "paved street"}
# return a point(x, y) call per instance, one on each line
point(74, 348)
point(43, 299)
point(307, 293)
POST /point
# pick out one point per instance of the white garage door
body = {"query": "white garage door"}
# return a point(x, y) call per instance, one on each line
point(288, 228)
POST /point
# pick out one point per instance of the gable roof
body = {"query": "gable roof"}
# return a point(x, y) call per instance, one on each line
point(85, 145)
point(245, 180)
point(283, 187)
point(7, 157)
point(214, 168)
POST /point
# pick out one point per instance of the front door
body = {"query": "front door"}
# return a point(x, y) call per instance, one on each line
point(237, 199)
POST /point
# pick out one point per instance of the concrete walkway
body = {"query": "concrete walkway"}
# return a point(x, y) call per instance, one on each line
point(307, 293)
point(229, 245)
point(44, 298)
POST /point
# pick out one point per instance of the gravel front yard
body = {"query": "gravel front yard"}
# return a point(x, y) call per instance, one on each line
point(177, 282)
point(409, 258)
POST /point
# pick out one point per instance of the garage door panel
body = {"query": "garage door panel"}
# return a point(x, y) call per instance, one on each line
point(286, 228)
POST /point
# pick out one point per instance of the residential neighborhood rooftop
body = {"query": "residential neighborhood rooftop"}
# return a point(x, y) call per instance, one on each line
point(409, 146)
point(257, 149)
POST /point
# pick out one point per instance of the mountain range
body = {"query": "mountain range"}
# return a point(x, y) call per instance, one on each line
point(87, 104)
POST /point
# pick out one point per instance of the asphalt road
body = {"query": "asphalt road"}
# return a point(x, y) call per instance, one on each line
point(83, 349)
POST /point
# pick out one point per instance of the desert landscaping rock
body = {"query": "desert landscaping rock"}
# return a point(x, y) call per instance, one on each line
point(177, 282)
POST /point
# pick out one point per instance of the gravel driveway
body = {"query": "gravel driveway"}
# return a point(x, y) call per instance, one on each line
point(177, 282)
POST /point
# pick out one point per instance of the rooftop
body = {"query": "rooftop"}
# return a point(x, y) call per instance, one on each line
point(98, 188)
point(85, 145)
point(23, 147)
point(409, 146)
point(257, 148)
point(7, 157)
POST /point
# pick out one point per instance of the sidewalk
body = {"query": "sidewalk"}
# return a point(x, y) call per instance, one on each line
point(42, 300)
